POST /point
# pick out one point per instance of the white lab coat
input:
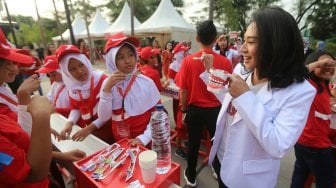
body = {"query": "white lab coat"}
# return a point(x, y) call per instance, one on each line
point(267, 127)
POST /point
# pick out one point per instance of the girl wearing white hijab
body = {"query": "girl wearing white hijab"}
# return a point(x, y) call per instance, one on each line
point(130, 96)
point(84, 85)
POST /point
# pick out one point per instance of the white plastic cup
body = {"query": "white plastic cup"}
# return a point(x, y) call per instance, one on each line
point(147, 162)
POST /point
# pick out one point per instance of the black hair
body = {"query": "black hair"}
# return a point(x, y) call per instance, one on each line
point(223, 53)
point(207, 32)
point(280, 47)
point(79, 41)
point(312, 58)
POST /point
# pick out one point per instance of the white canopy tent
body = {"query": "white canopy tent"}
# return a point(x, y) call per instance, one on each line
point(96, 27)
point(123, 22)
point(78, 27)
point(167, 24)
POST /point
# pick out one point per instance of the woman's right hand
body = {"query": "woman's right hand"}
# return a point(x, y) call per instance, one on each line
point(65, 133)
point(113, 79)
point(27, 88)
point(326, 62)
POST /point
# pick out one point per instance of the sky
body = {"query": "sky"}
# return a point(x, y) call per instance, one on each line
point(45, 7)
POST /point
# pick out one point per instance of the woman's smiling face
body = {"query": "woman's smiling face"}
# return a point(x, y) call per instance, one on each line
point(249, 49)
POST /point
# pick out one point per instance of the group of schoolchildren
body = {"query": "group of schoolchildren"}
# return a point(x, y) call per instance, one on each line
point(119, 105)
point(111, 107)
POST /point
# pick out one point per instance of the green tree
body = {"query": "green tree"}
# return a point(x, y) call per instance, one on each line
point(29, 30)
point(323, 20)
point(235, 14)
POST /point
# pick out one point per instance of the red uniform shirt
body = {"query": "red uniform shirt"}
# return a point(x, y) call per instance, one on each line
point(86, 106)
point(152, 74)
point(188, 78)
point(315, 133)
point(15, 143)
point(4, 109)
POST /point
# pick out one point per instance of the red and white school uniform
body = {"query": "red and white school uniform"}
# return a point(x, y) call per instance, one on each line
point(84, 96)
point(131, 101)
point(175, 66)
point(59, 96)
point(317, 129)
point(9, 107)
point(14, 144)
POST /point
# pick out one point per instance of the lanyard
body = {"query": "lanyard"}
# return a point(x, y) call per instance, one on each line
point(87, 105)
point(58, 93)
point(10, 100)
point(128, 88)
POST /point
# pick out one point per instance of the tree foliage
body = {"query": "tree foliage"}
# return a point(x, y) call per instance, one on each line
point(29, 30)
point(323, 20)
point(235, 14)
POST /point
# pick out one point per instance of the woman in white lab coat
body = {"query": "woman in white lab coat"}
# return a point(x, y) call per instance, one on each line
point(265, 110)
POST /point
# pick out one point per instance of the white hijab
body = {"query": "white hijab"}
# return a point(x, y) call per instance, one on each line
point(143, 94)
point(177, 62)
point(74, 85)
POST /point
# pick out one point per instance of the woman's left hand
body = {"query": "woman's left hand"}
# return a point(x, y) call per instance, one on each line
point(237, 86)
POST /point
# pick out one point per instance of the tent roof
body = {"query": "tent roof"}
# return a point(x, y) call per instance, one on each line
point(78, 26)
point(165, 19)
point(97, 26)
point(123, 22)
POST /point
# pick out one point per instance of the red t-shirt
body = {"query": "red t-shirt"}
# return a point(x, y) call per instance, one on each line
point(152, 74)
point(315, 133)
point(188, 79)
point(14, 142)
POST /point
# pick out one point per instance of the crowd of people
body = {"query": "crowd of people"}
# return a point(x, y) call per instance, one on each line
point(278, 96)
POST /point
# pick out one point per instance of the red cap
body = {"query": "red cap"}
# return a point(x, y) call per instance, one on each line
point(50, 64)
point(65, 49)
point(118, 38)
point(7, 52)
point(180, 47)
point(148, 52)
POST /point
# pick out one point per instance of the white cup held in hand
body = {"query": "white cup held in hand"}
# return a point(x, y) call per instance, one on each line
point(147, 162)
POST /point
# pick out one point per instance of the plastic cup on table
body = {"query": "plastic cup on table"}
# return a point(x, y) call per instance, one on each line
point(147, 162)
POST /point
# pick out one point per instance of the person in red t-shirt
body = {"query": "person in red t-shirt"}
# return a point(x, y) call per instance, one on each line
point(313, 150)
point(21, 162)
point(200, 105)
point(150, 58)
